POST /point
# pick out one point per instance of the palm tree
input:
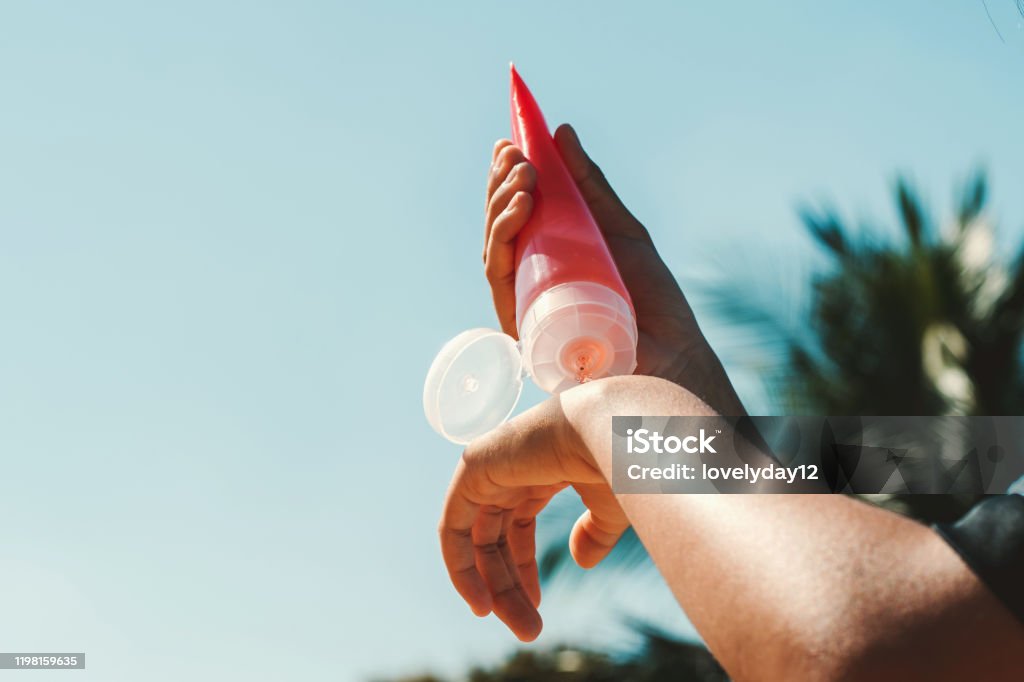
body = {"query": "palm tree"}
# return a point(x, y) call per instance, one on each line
point(932, 325)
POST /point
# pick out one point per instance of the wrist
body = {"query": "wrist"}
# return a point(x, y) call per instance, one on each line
point(588, 411)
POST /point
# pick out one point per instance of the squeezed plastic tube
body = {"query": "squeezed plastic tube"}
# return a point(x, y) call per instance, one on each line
point(574, 315)
point(573, 312)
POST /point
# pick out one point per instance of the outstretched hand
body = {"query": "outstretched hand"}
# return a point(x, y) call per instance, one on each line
point(505, 478)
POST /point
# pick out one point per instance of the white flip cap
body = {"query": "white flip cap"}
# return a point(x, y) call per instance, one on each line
point(473, 384)
point(570, 334)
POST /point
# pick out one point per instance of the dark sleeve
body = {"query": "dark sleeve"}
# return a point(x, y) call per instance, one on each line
point(990, 538)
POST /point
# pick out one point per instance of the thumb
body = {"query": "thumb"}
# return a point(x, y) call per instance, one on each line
point(592, 538)
point(611, 214)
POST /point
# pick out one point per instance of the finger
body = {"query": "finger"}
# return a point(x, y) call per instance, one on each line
point(598, 530)
point(509, 558)
point(611, 214)
point(506, 159)
point(495, 176)
point(494, 561)
point(531, 623)
point(499, 261)
point(498, 146)
point(522, 542)
point(457, 549)
point(521, 178)
point(592, 538)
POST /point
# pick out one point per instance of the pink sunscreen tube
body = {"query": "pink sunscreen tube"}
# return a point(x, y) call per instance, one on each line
point(573, 312)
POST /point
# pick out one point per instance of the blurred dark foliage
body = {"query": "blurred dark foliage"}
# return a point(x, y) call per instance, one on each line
point(928, 326)
point(661, 658)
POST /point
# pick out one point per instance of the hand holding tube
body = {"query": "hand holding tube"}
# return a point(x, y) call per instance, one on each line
point(670, 345)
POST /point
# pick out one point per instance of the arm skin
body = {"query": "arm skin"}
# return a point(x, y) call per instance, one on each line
point(781, 587)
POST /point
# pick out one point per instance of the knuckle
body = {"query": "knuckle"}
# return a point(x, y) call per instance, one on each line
point(515, 584)
point(495, 201)
point(525, 524)
point(507, 219)
point(487, 548)
point(522, 176)
point(525, 201)
point(499, 227)
point(493, 274)
point(502, 227)
point(469, 457)
point(508, 156)
point(490, 219)
point(510, 179)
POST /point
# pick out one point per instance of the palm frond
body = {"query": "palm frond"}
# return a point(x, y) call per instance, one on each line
point(972, 199)
point(826, 227)
point(915, 221)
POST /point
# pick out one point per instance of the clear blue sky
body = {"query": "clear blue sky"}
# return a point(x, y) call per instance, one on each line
point(233, 235)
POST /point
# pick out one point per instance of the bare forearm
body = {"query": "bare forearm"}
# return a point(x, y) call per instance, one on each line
point(802, 587)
